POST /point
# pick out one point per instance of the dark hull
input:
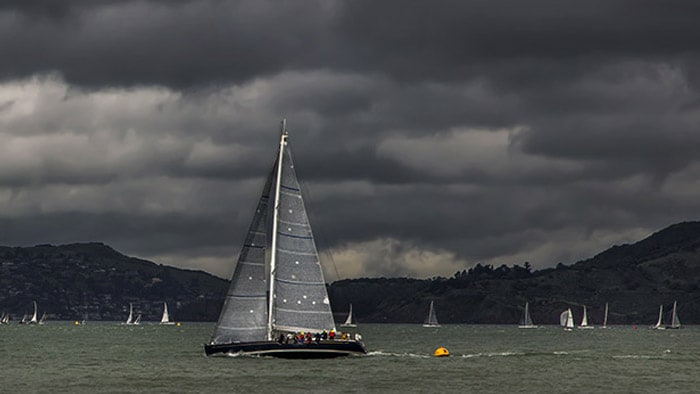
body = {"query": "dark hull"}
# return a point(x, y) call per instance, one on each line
point(324, 349)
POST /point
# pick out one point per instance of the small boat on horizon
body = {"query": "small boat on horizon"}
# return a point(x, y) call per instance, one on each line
point(165, 320)
point(349, 321)
point(605, 318)
point(566, 319)
point(526, 321)
point(35, 317)
point(431, 320)
point(658, 325)
point(130, 321)
point(675, 321)
point(584, 320)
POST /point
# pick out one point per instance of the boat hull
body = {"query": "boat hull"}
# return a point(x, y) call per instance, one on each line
point(323, 349)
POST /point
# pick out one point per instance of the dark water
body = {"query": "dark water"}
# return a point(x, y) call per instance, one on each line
point(108, 357)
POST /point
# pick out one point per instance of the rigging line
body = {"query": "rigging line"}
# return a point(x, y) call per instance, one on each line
point(318, 235)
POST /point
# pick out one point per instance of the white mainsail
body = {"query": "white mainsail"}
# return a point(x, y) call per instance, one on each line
point(584, 319)
point(137, 321)
point(431, 320)
point(675, 321)
point(43, 318)
point(605, 319)
point(349, 320)
point(658, 325)
point(166, 316)
point(34, 319)
point(566, 319)
point(526, 321)
point(130, 319)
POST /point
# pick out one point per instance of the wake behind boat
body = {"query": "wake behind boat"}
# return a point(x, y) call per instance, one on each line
point(252, 323)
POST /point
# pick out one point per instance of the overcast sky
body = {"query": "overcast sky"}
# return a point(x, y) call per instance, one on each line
point(429, 135)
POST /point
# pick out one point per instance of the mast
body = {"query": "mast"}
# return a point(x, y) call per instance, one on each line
point(273, 252)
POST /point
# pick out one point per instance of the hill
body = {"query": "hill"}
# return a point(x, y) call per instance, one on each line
point(635, 279)
point(68, 281)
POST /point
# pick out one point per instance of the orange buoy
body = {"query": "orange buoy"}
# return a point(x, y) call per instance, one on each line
point(441, 352)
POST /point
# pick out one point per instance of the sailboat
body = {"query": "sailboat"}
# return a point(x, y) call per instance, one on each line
point(166, 317)
point(130, 321)
point(43, 318)
point(5, 319)
point(264, 310)
point(137, 321)
point(605, 319)
point(566, 319)
point(584, 320)
point(658, 325)
point(349, 321)
point(526, 321)
point(431, 320)
point(24, 320)
point(34, 319)
point(675, 321)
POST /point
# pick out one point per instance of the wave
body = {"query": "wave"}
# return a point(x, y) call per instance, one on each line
point(496, 354)
point(390, 354)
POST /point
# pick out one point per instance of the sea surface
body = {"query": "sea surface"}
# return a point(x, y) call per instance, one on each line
point(102, 357)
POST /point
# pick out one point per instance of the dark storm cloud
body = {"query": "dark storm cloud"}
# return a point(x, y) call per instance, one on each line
point(431, 135)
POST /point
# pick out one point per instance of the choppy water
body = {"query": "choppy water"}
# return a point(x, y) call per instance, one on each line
point(108, 357)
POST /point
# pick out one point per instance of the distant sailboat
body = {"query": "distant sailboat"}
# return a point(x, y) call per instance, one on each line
point(130, 320)
point(658, 325)
point(526, 321)
point(43, 318)
point(137, 321)
point(34, 319)
point(24, 319)
point(675, 321)
point(431, 321)
point(349, 321)
point(566, 319)
point(166, 317)
point(605, 319)
point(584, 320)
point(5, 319)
